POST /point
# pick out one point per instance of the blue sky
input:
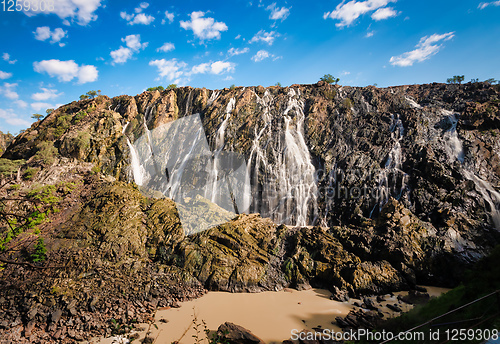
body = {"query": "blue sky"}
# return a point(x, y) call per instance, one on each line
point(123, 47)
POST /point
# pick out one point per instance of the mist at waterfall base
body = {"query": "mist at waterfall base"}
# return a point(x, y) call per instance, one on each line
point(210, 184)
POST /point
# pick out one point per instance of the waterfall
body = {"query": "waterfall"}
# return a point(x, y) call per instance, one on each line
point(213, 191)
point(213, 97)
point(453, 145)
point(280, 175)
point(489, 194)
point(392, 179)
point(454, 150)
point(138, 171)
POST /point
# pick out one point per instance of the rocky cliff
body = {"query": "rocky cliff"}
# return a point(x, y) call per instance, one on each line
point(358, 190)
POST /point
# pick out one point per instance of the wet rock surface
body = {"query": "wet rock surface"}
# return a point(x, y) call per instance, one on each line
point(431, 151)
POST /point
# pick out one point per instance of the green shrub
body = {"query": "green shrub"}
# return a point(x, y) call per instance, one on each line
point(29, 173)
point(45, 194)
point(46, 152)
point(95, 170)
point(79, 116)
point(82, 140)
point(9, 167)
point(39, 254)
point(61, 124)
point(347, 103)
point(172, 87)
point(14, 187)
point(157, 88)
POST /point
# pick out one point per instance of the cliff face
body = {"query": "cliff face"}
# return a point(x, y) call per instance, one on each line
point(5, 140)
point(401, 183)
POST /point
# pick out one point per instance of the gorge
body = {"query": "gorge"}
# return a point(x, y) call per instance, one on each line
point(358, 190)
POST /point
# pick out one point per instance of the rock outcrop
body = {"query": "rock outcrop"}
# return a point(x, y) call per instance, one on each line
point(396, 186)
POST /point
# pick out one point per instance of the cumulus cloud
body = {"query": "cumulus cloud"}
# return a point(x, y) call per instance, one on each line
point(166, 47)
point(67, 70)
point(174, 70)
point(278, 13)
point(6, 57)
point(5, 75)
point(384, 13)
point(170, 69)
point(483, 5)
point(134, 42)
point(426, 47)
point(8, 91)
point(133, 45)
point(121, 55)
point(21, 103)
point(348, 12)
point(47, 93)
point(217, 67)
point(138, 17)
point(261, 55)
point(43, 33)
point(12, 118)
point(203, 28)
point(266, 37)
point(168, 16)
point(75, 10)
point(233, 51)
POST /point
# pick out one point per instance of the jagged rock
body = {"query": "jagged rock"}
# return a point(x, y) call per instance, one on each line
point(394, 307)
point(235, 334)
point(339, 295)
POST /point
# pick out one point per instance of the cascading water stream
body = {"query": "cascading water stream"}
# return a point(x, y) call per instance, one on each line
point(454, 150)
point(392, 179)
point(280, 174)
point(213, 192)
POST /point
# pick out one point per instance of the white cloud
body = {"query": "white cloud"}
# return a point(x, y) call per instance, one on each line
point(121, 55)
point(142, 18)
point(201, 68)
point(217, 67)
point(81, 10)
point(171, 69)
point(166, 47)
point(12, 118)
point(278, 13)
point(237, 37)
point(348, 12)
point(134, 42)
point(138, 17)
point(266, 37)
point(8, 91)
point(142, 6)
point(220, 67)
point(204, 28)
point(134, 45)
point(233, 51)
point(169, 16)
point(6, 57)
point(261, 55)
point(67, 70)
point(5, 75)
point(41, 106)
point(483, 5)
point(174, 70)
point(43, 33)
point(384, 13)
point(21, 103)
point(425, 48)
point(369, 34)
point(47, 93)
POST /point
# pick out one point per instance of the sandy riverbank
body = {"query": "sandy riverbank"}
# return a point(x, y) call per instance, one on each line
point(269, 315)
